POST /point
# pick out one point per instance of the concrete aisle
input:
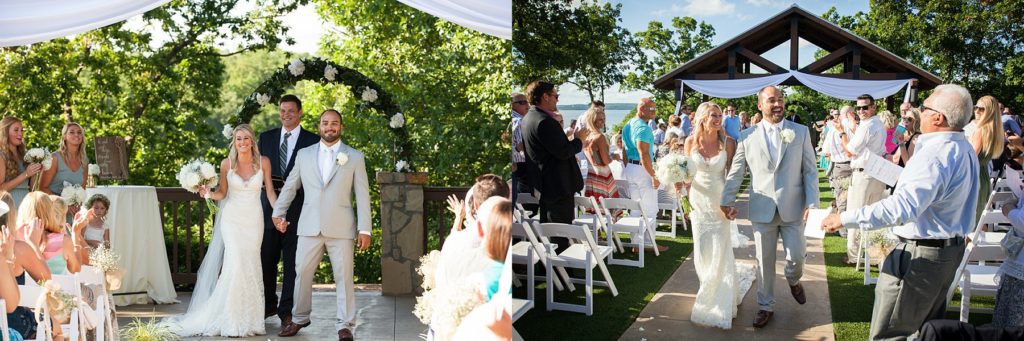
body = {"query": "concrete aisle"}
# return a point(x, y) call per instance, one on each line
point(667, 316)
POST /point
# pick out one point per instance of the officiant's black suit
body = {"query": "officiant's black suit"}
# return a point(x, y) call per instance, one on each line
point(277, 245)
point(551, 166)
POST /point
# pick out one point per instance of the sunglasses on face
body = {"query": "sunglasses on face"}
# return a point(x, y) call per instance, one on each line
point(979, 108)
point(862, 107)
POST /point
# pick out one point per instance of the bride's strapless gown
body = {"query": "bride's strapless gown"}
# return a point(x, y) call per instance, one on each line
point(723, 283)
point(235, 307)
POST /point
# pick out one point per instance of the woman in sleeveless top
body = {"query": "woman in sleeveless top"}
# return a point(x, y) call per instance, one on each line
point(16, 174)
point(600, 183)
point(912, 122)
point(59, 252)
point(987, 140)
point(70, 160)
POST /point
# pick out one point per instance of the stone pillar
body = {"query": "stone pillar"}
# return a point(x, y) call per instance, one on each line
point(401, 220)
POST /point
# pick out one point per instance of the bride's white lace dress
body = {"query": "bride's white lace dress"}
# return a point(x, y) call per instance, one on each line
point(722, 283)
point(231, 304)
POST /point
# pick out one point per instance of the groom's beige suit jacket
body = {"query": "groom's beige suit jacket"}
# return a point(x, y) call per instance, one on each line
point(327, 209)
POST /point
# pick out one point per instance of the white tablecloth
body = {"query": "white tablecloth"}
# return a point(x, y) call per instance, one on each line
point(137, 234)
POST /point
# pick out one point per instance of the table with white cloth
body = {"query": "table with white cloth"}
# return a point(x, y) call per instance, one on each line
point(137, 234)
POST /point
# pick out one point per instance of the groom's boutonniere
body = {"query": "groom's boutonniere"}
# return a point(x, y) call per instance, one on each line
point(788, 135)
point(342, 158)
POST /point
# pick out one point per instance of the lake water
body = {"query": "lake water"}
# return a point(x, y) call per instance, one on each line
point(611, 117)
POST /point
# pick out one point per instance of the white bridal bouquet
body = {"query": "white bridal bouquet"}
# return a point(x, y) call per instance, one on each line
point(41, 156)
point(673, 168)
point(73, 194)
point(196, 174)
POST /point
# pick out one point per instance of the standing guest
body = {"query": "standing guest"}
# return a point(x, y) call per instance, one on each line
point(731, 122)
point(550, 157)
point(666, 148)
point(794, 118)
point(640, 153)
point(687, 121)
point(890, 123)
point(869, 138)
point(928, 215)
point(912, 123)
point(674, 126)
point(1010, 277)
point(839, 177)
point(1010, 125)
point(744, 120)
point(519, 108)
point(280, 145)
point(599, 183)
point(987, 142)
point(755, 120)
point(71, 163)
point(16, 174)
point(659, 134)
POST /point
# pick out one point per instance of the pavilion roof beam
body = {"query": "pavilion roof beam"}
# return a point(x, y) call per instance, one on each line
point(765, 64)
point(828, 61)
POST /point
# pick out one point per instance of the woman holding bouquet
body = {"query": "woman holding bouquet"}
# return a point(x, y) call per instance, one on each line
point(721, 286)
point(71, 161)
point(12, 152)
point(231, 304)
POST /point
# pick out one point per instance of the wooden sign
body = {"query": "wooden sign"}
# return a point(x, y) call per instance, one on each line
point(112, 157)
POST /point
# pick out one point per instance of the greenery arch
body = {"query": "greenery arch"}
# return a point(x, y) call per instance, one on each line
point(370, 95)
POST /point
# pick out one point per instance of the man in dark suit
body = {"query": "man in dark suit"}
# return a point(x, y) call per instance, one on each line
point(550, 155)
point(280, 146)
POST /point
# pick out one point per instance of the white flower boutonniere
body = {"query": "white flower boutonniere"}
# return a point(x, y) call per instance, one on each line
point(342, 159)
point(788, 135)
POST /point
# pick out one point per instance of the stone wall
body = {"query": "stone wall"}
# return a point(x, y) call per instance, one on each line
point(401, 218)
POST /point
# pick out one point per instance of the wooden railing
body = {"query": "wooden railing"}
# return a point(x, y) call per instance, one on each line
point(185, 224)
point(437, 220)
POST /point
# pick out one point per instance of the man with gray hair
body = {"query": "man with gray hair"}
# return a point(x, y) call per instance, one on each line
point(928, 214)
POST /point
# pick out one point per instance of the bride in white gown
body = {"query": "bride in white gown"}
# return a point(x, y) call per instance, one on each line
point(722, 283)
point(228, 297)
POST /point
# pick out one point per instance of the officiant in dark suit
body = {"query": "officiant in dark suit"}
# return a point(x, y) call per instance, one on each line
point(280, 146)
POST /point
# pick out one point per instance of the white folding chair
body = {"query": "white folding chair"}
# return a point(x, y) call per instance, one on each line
point(1014, 180)
point(669, 201)
point(977, 279)
point(526, 199)
point(583, 253)
point(90, 275)
point(29, 296)
point(5, 333)
point(69, 284)
point(597, 220)
point(639, 228)
point(530, 244)
point(622, 186)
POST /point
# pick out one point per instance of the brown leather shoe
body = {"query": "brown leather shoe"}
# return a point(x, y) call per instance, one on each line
point(762, 318)
point(291, 329)
point(798, 293)
point(345, 335)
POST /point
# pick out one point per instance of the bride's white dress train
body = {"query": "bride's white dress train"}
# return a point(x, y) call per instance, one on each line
point(723, 283)
point(230, 304)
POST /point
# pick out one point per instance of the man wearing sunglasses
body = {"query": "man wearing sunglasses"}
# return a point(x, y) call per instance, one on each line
point(869, 138)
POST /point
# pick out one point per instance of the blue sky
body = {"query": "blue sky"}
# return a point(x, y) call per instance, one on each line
point(729, 17)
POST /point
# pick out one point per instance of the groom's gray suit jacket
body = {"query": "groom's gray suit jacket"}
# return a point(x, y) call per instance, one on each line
point(789, 186)
point(327, 209)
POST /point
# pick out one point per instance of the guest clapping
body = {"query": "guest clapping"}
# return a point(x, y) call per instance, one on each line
point(16, 174)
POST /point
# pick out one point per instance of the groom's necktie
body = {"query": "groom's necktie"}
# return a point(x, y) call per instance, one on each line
point(776, 139)
point(284, 153)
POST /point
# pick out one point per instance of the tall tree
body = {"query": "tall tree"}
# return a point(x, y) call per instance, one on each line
point(663, 49)
point(579, 44)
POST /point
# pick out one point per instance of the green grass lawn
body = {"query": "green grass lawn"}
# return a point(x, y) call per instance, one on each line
point(612, 315)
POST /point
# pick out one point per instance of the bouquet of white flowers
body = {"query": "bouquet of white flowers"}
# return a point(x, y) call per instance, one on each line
point(196, 174)
point(41, 156)
point(94, 173)
point(109, 262)
point(443, 308)
point(673, 168)
point(73, 194)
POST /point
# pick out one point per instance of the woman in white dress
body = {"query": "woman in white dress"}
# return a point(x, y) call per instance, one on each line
point(228, 297)
point(722, 284)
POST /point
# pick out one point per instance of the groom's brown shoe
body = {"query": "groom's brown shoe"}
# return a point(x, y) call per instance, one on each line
point(798, 293)
point(345, 335)
point(762, 318)
point(292, 328)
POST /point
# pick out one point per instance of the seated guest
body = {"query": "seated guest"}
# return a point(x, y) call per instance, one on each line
point(486, 186)
point(485, 261)
point(58, 250)
point(27, 259)
point(8, 285)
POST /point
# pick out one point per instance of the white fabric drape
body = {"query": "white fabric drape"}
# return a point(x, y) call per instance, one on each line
point(847, 89)
point(493, 17)
point(24, 22)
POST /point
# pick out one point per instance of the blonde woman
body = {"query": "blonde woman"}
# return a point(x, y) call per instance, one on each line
point(58, 248)
point(599, 182)
point(721, 285)
point(15, 172)
point(912, 122)
point(890, 122)
point(70, 163)
point(987, 140)
point(231, 303)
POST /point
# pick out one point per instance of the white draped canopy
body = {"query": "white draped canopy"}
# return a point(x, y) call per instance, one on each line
point(847, 89)
point(493, 17)
point(24, 22)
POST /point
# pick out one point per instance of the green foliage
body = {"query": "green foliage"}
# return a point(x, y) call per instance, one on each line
point(147, 331)
point(664, 49)
point(582, 45)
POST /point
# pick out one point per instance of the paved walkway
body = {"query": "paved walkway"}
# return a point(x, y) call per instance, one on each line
point(667, 316)
point(378, 317)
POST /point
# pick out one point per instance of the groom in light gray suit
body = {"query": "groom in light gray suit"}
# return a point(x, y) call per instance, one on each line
point(784, 185)
point(330, 173)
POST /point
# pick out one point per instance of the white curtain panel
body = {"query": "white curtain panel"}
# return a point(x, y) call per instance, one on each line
point(735, 88)
point(24, 22)
point(849, 89)
point(493, 17)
